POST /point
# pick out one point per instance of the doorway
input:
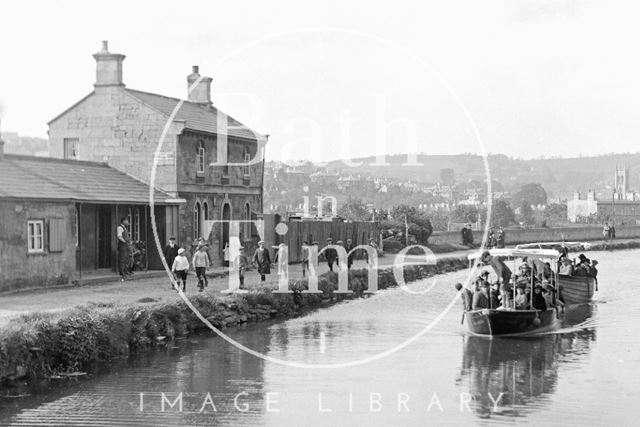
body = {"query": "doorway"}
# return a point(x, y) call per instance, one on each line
point(104, 237)
point(226, 217)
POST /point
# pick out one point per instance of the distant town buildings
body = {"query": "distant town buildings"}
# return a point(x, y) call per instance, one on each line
point(622, 208)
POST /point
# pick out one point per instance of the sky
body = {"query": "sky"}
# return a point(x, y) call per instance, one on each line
point(337, 79)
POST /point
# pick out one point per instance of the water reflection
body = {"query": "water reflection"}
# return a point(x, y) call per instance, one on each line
point(196, 366)
point(516, 376)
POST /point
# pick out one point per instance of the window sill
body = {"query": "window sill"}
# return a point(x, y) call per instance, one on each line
point(42, 253)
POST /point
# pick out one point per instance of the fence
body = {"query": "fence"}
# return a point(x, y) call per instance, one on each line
point(300, 230)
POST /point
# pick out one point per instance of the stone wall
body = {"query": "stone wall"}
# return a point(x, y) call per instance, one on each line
point(115, 128)
point(18, 268)
point(530, 235)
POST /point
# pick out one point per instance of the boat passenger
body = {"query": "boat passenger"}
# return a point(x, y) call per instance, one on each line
point(567, 267)
point(501, 270)
point(548, 292)
point(594, 270)
point(494, 296)
point(467, 296)
point(521, 299)
point(538, 302)
point(481, 297)
point(564, 251)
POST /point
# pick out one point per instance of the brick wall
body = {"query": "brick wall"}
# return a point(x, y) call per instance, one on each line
point(20, 270)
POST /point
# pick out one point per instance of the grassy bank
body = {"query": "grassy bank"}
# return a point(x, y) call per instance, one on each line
point(42, 345)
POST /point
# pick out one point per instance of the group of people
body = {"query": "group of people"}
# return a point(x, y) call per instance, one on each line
point(467, 235)
point(608, 231)
point(582, 266)
point(176, 258)
point(496, 238)
point(534, 286)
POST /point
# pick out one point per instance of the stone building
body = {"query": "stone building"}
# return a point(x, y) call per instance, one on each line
point(579, 207)
point(201, 155)
point(58, 219)
point(622, 207)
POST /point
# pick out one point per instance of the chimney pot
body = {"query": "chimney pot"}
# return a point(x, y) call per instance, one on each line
point(195, 69)
point(105, 45)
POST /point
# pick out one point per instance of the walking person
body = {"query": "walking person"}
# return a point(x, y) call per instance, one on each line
point(241, 264)
point(469, 239)
point(463, 235)
point(606, 232)
point(331, 255)
point(305, 257)
point(180, 268)
point(262, 260)
point(201, 261)
point(171, 251)
point(501, 238)
point(123, 237)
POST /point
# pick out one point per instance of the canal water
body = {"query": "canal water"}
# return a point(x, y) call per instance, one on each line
point(588, 373)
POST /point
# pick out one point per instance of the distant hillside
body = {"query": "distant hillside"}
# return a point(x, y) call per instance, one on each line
point(27, 145)
point(559, 176)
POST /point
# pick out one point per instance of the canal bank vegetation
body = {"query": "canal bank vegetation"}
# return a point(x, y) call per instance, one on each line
point(46, 345)
point(51, 345)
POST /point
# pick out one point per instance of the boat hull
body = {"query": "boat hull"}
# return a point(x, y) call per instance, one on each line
point(511, 322)
point(576, 289)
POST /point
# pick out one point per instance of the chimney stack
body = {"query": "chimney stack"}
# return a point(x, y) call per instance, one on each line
point(201, 92)
point(108, 67)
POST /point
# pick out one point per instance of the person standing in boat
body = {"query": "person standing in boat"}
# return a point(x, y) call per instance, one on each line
point(503, 273)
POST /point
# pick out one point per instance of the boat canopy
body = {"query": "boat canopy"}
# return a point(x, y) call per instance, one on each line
point(518, 253)
point(553, 245)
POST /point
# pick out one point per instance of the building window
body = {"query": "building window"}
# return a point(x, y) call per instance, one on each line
point(71, 148)
point(205, 217)
point(247, 224)
point(247, 159)
point(35, 236)
point(201, 157)
point(197, 214)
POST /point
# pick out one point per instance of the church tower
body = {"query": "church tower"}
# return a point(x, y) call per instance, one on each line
point(622, 182)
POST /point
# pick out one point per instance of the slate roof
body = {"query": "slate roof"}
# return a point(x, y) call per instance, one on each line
point(43, 178)
point(196, 116)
